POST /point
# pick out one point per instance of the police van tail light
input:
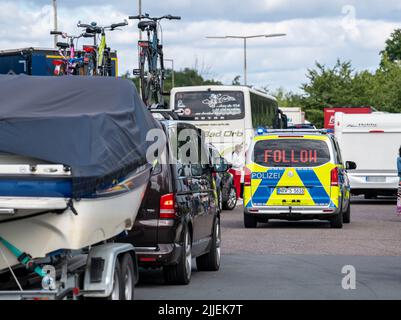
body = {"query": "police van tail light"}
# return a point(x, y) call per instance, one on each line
point(167, 206)
point(247, 177)
point(334, 177)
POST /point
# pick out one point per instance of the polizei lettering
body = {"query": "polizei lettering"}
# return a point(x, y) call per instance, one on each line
point(266, 175)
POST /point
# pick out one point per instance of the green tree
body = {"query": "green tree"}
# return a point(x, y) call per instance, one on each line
point(393, 46)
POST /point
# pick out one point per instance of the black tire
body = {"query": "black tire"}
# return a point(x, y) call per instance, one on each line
point(180, 273)
point(211, 260)
point(144, 72)
point(231, 202)
point(337, 221)
point(118, 290)
point(347, 214)
point(160, 77)
point(128, 276)
point(250, 221)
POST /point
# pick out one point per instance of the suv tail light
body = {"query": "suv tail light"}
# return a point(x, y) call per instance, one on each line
point(167, 206)
point(247, 177)
point(334, 177)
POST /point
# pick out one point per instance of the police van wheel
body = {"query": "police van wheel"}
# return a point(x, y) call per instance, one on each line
point(347, 215)
point(250, 221)
point(337, 221)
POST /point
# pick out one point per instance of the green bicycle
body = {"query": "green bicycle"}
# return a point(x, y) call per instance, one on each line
point(101, 55)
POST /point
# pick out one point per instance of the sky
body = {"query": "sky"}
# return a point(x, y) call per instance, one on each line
point(316, 31)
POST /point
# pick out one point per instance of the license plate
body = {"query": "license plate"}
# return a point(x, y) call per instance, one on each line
point(376, 179)
point(284, 191)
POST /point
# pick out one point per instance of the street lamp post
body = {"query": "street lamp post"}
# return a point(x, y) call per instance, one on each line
point(140, 13)
point(55, 22)
point(245, 38)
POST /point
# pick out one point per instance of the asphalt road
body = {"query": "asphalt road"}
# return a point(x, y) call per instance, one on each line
point(298, 260)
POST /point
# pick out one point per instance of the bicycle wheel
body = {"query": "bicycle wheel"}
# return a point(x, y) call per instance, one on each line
point(145, 76)
point(160, 77)
point(91, 65)
point(108, 63)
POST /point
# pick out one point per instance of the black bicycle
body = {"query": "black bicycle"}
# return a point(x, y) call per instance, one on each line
point(151, 64)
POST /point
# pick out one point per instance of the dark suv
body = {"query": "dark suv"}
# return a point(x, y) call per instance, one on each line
point(179, 218)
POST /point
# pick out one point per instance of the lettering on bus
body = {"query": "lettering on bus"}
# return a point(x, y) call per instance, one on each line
point(220, 133)
point(290, 156)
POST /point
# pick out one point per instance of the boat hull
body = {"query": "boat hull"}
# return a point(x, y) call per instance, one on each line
point(97, 219)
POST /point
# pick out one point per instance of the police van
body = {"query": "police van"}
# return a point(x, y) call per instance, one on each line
point(296, 175)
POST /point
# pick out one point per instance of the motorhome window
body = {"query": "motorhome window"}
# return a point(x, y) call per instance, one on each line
point(210, 105)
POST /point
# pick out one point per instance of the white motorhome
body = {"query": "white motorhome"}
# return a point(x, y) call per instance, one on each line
point(372, 142)
point(294, 115)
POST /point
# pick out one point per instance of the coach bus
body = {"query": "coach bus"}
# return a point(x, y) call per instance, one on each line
point(228, 115)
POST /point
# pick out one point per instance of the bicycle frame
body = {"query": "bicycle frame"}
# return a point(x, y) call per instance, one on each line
point(70, 62)
point(101, 49)
point(102, 52)
point(151, 50)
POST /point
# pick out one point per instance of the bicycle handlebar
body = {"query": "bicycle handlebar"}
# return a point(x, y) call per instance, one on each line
point(58, 33)
point(83, 25)
point(121, 24)
point(146, 16)
point(94, 28)
point(170, 17)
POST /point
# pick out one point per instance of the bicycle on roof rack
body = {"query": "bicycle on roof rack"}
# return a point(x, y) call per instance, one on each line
point(70, 63)
point(151, 61)
point(99, 56)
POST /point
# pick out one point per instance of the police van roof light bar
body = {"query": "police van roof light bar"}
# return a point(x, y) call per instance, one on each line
point(300, 131)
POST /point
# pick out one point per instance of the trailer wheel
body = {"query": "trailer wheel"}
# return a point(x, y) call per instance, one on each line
point(118, 284)
point(128, 276)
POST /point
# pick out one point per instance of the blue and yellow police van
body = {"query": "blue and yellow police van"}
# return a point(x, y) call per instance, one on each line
point(296, 175)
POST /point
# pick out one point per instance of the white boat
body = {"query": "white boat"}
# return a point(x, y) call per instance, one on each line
point(90, 134)
point(39, 225)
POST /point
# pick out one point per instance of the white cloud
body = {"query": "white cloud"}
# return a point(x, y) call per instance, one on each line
point(315, 30)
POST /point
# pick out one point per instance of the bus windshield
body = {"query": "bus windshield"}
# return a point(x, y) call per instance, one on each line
point(210, 105)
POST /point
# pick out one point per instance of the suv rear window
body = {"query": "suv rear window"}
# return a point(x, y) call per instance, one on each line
point(291, 153)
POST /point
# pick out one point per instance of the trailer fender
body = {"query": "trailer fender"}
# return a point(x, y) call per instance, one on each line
point(98, 280)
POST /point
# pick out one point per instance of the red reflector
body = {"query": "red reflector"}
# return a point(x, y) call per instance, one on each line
point(147, 259)
point(76, 291)
point(327, 210)
point(88, 49)
point(253, 210)
point(167, 206)
point(247, 177)
point(58, 62)
point(143, 44)
point(334, 177)
point(376, 131)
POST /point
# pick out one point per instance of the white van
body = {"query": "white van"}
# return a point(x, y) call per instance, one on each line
point(372, 141)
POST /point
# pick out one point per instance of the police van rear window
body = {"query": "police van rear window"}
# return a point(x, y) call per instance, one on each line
point(291, 153)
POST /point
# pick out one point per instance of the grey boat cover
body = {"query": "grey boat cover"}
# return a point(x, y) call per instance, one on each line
point(95, 125)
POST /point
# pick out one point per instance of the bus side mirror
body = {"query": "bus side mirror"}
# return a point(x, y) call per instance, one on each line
point(350, 165)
